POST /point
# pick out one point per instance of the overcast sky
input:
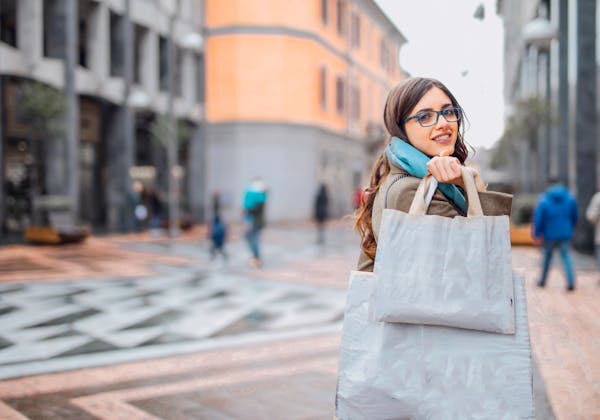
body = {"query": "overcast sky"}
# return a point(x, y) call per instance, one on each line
point(446, 42)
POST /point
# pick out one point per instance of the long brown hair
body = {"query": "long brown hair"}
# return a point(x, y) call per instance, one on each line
point(400, 101)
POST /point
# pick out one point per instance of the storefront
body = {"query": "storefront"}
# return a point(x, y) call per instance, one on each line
point(22, 172)
point(33, 161)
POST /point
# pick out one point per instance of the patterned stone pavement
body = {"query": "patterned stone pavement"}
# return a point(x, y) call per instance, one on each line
point(46, 327)
point(154, 329)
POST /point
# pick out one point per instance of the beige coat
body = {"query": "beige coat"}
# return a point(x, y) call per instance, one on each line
point(397, 192)
point(592, 214)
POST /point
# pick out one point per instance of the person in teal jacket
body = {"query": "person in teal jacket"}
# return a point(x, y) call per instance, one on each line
point(554, 220)
point(255, 198)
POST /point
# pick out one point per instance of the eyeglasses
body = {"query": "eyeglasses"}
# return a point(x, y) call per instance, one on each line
point(429, 118)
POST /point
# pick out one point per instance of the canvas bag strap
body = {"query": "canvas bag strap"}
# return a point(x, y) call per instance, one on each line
point(428, 184)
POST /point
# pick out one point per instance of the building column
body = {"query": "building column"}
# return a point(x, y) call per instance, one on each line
point(544, 95)
point(197, 173)
point(72, 108)
point(550, 172)
point(120, 142)
point(100, 41)
point(116, 170)
point(563, 93)
point(586, 131)
point(149, 63)
point(30, 28)
point(188, 78)
point(172, 149)
point(2, 174)
point(54, 147)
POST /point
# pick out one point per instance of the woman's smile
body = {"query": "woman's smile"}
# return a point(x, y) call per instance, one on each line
point(443, 139)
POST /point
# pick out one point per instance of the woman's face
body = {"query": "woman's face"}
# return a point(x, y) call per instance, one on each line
point(439, 137)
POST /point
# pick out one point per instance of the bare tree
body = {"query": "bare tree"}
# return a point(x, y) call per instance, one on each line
point(517, 150)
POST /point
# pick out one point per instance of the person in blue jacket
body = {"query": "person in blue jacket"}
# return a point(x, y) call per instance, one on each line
point(553, 222)
point(255, 197)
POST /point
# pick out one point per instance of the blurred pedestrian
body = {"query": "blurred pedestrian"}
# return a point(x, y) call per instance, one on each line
point(554, 219)
point(216, 202)
point(592, 214)
point(218, 235)
point(156, 210)
point(139, 211)
point(357, 197)
point(255, 197)
point(321, 212)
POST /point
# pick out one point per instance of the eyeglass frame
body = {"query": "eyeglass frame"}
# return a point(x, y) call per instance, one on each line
point(437, 117)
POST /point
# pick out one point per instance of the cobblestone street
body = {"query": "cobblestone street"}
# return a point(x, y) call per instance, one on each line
point(137, 326)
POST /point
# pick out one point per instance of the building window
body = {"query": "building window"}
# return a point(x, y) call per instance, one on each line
point(355, 103)
point(8, 22)
point(384, 55)
point(139, 40)
point(355, 30)
point(324, 11)
point(341, 11)
point(178, 76)
point(144, 150)
point(117, 52)
point(54, 38)
point(199, 78)
point(339, 94)
point(323, 87)
point(163, 63)
point(86, 9)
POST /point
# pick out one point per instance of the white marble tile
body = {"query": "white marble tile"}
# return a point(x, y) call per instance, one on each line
point(41, 349)
point(294, 319)
point(113, 321)
point(33, 334)
point(34, 315)
point(130, 338)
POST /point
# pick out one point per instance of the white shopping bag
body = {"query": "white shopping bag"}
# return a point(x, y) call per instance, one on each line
point(407, 371)
point(438, 270)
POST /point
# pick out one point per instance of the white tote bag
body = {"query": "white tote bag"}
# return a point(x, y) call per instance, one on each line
point(407, 371)
point(439, 270)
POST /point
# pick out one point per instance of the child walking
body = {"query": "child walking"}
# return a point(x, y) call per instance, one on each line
point(218, 235)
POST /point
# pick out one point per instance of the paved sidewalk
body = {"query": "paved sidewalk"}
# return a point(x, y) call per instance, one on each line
point(196, 339)
point(565, 332)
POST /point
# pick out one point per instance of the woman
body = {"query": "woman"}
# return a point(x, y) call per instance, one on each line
point(424, 121)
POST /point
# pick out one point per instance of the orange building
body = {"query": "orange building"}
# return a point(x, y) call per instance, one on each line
point(294, 94)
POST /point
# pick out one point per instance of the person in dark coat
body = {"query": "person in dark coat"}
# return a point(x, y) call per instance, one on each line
point(321, 212)
point(553, 222)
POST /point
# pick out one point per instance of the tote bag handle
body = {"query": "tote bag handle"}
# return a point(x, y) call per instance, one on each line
point(428, 183)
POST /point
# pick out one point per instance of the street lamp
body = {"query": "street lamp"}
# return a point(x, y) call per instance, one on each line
point(192, 41)
point(138, 99)
point(539, 32)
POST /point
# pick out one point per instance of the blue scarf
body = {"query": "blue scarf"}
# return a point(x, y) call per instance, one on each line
point(413, 161)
